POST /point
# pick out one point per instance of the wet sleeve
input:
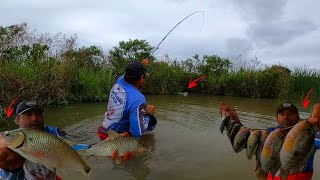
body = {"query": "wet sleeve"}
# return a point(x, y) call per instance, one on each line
point(12, 175)
point(317, 143)
point(270, 129)
point(317, 140)
point(152, 122)
point(138, 119)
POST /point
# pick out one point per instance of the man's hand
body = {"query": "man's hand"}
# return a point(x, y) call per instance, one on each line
point(127, 155)
point(226, 110)
point(10, 160)
point(314, 119)
point(150, 110)
point(145, 61)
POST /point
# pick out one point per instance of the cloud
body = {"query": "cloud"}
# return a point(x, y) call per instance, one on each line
point(238, 46)
point(272, 30)
point(260, 10)
point(277, 33)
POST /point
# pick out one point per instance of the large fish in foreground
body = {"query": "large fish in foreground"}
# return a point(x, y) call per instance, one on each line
point(43, 148)
point(115, 142)
point(296, 149)
point(270, 155)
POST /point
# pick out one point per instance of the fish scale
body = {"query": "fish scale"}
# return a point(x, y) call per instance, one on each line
point(253, 143)
point(296, 148)
point(105, 148)
point(115, 142)
point(270, 155)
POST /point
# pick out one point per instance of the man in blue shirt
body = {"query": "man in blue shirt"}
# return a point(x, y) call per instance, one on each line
point(127, 111)
point(29, 114)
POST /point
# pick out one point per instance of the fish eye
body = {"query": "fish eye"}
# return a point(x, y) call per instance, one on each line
point(6, 134)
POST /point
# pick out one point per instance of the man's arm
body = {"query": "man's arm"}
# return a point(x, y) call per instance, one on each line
point(138, 119)
point(317, 140)
point(314, 119)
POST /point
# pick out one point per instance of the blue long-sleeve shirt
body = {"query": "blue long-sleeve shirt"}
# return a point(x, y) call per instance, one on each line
point(32, 170)
point(126, 110)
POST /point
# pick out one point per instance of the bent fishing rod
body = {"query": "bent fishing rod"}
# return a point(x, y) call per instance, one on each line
point(151, 54)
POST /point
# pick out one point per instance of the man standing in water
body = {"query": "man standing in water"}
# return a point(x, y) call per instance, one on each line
point(127, 111)
point(287, 115)
point(29, 114)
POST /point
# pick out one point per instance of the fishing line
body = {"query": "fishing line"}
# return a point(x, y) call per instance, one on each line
point(175, 27)
point(9, 127)
point(154, 49)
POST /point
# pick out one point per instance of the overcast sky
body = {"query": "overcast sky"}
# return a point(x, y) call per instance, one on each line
point(275, 31)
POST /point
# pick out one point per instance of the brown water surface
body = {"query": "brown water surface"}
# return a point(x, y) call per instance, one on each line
point(186, 144)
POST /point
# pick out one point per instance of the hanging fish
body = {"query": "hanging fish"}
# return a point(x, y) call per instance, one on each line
point(296, 149)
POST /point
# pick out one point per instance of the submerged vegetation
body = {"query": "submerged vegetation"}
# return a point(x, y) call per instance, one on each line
point(54, 70)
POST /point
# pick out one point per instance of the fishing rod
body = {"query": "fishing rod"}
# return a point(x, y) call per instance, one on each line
point(152, 52)
point(175, 27)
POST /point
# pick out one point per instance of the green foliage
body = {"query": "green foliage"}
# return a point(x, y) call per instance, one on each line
point(90, 85)
point(30, 70)
point(126, 52)
point(165, 78)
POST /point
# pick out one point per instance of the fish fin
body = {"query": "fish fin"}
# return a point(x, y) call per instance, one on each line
point(50, 168)
point(84, 154)
point(249, 154)
point(261, 174)
point(113, 134)
point(283, 174)
point(96, 157)
point(69, 142)
point(273, 172)
point(86, 171)
point(118, 159)
point(65, 172)
point(224, 123)
point(88, 175)
point(142, 143)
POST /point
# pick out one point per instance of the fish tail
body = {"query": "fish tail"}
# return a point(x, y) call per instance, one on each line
point(261, 174)
point(222, 128)
point(87, 172)
point(249, 154)
point(283, 174)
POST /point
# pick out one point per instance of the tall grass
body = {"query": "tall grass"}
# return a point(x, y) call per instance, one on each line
point(91, 85)
point(303, 80)
point(59, 82)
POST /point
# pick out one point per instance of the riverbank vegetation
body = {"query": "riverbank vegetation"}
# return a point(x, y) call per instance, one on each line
point(55, 70)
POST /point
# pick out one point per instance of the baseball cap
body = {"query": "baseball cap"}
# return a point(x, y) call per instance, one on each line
point(27, 105)
point(135, 70)
point(287, 105)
